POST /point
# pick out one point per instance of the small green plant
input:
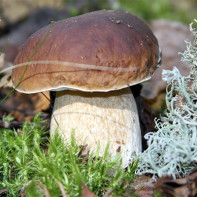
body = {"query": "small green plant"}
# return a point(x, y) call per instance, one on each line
point(172, 150)
point(34, 164)
point(7, 118)
point(156, 194)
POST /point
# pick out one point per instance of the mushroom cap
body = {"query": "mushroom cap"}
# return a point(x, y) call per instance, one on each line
point(98, 51)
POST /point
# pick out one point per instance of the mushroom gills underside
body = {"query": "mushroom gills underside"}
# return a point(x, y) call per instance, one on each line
point(99, 118)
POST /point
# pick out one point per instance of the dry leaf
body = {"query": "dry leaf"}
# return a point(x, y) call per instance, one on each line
point(23, 106)
point(144, 186)
point(86, 192)
point(183, 187)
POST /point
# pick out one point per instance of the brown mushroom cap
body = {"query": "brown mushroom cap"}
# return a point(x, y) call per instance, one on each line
point(103, 50)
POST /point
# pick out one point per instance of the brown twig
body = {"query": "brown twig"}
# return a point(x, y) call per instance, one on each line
point(13, 124)
point(46, 191)
point(17, 124)
point(108, 193)
point(62, 189)
point(3, 190)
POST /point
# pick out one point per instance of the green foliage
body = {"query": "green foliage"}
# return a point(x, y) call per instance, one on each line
point(172, 150)
point(176, 10)
point(154, 9)
point(7, 118)
point(16, 155)
point(33, 164)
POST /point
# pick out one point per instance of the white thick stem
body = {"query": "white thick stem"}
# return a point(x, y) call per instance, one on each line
point(97, 118)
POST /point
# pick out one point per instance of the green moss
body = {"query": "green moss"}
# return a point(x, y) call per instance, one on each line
point(34, 164)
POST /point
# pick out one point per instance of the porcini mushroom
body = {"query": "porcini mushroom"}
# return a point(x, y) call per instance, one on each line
point(91, 60)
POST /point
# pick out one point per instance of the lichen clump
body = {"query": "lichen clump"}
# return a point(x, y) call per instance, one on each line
point(172, 150)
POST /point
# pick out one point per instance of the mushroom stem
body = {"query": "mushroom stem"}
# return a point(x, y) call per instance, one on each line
point(98, 117)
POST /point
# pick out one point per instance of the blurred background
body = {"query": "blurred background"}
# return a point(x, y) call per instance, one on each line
point(16, 11)
point(168, 19)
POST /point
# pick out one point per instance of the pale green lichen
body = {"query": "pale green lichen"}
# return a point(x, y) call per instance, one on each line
point(172, 150)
